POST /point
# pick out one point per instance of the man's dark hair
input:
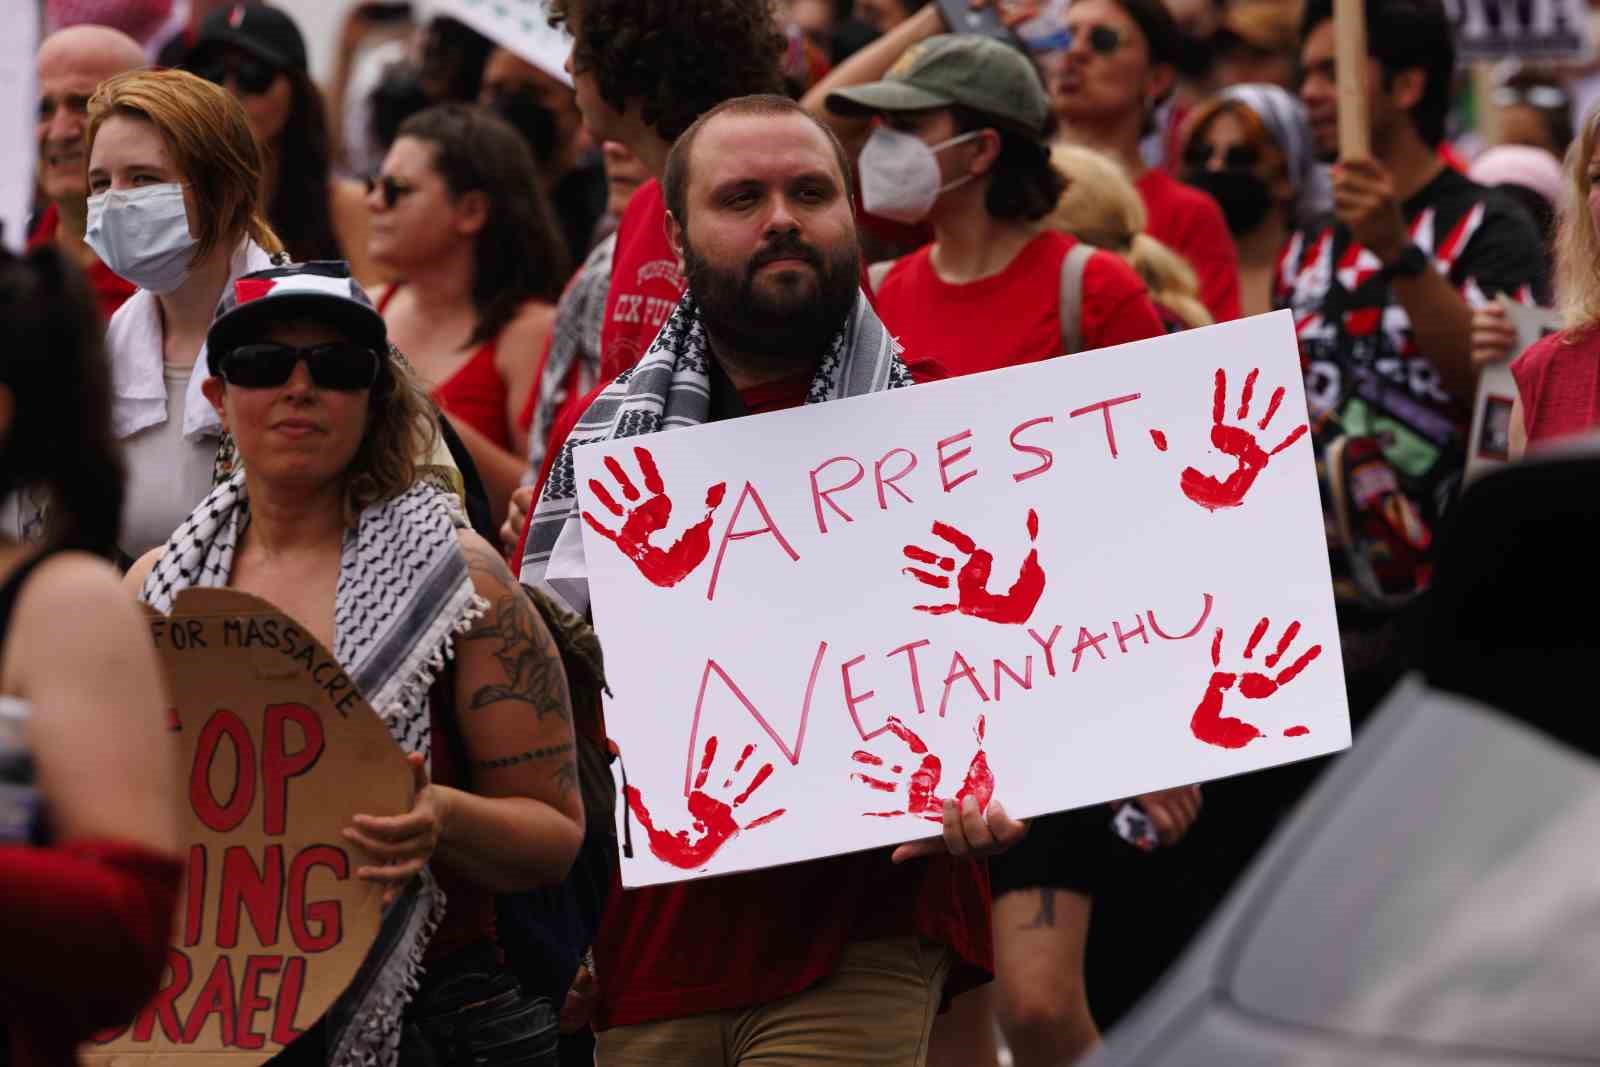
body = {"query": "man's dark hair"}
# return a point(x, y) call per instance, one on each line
point(1160, 29)
point(453, 57)
point(1406, 35)
point(675, 178)
point(680, 58)
point(520, 254)
point(1023, 183)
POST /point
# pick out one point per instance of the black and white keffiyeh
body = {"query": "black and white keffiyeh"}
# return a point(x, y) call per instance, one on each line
point(575, 342)
point(404, 592)
point(670, 388)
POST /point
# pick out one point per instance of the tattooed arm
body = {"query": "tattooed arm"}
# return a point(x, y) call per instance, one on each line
point(522, 824)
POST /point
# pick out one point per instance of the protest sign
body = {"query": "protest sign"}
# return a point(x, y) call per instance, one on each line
point(278, 752)
point(1057, 584)
point(519, 26)
point(1489, 445)
point(1519, 29)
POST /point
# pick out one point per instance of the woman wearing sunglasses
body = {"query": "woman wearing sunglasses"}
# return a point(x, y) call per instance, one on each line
point(1251, 150)
point(328, 520)
point(257, 53)
point(174, 207)
point(458, 215)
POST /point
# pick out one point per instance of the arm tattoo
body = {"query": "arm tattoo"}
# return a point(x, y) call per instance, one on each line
point(528, 757)
point(1047, 910)
point(566, 777)
point(526, 654)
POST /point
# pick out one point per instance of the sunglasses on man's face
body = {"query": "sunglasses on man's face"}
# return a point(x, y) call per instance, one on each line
point(1102, 40)
point(341, 365)
point(252, 76)
point(1239, 157)
point(393, 188)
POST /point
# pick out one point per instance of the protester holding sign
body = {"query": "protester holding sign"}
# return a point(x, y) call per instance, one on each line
point(960, 142)
point(174, 207)
point(835, 961)
point(328, 519)
point(88, 783)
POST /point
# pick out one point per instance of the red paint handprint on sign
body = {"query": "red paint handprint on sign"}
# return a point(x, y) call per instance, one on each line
point(1214, 728)
point(1236, 441)
point(922, 798)
point(714, 820)
point(973, 598)
point(663, 567)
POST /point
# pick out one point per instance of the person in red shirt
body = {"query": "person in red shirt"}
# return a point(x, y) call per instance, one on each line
point(961, 143)
point(71, 64)
point(836, 961)
point(1117, 70)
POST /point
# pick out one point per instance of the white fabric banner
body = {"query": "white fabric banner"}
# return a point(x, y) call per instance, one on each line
point(1059, 584)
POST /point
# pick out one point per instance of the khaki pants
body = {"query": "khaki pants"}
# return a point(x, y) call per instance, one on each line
point(877, 1009)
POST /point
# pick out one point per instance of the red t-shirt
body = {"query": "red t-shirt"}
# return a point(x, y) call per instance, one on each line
point(1190, 223)
point(645, 282)
point(1558, 379)
point(1012, 317)
point(723, 944)
point(110, 289)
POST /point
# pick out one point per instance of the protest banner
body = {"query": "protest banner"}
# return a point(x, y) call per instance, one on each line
point(1489, 445)
point(1528, 30)
point(519, 26)
point(1057, 584)
point(278, 752)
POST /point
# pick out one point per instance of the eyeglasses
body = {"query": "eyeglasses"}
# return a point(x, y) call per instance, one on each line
point(251, 75)
point(1544, 97)
point(393, 188)
point(341, 365)
point(1103, 40)
point(1238, 157)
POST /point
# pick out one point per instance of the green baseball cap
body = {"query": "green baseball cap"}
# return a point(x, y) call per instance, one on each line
point(965, 69)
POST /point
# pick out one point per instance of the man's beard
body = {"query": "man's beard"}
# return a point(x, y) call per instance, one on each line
point(785, 330)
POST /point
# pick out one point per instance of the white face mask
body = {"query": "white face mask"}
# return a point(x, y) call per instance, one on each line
point(142, 235)
point(900, 176)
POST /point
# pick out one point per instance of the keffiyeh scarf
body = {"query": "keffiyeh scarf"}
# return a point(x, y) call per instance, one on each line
point(403, 594)
point(670, 388)
point(576, 342)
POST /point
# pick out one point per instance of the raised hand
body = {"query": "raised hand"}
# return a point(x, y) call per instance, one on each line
point(715, 822)
point(921, 786)
point(1214, 728)
point(973, 598)
point(663, 567)
point(1238, 442)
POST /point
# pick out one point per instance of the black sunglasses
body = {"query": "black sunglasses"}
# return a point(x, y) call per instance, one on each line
point(1237, 157)
point(342, 365)
point(393, 188)
point(1103, 40)
point(251, 75)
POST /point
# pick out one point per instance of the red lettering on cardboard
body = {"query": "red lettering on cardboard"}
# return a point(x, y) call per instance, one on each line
point(215, 998)
point(251, 1000)
point(327, 915)
point(278, 764)
point(223, 816)
point(246, 887)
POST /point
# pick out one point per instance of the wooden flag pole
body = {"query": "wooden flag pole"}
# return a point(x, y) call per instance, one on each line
point(1350, 59)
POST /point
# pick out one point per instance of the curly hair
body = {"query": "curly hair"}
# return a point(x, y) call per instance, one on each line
point(679, 58)
point(401, 437)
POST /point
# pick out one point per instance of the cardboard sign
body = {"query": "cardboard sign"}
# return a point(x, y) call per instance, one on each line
point(519, 26)
point(1059, 584)
point(1489, 446)
point(279, 752)
point(18, 85)
point(1528, 30)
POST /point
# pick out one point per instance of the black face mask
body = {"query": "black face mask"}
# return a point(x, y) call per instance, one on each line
point(1244, 198)
point(533, 120)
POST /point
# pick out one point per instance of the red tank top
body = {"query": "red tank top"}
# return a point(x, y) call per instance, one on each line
point(1559, 380)
point(475, 394)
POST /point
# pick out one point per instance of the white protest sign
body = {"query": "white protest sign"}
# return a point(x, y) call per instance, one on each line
point(1519, 29)
point(1059, 584)
point(519, 26)
point(1489, 445)
point(18, 85)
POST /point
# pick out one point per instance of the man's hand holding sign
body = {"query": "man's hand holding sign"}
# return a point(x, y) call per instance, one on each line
point(1061, 556)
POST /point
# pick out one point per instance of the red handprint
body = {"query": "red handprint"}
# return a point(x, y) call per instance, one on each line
point(1210, 725)
point(663, 567)
point(973, 598)
point(1236, 441)
point(714, 824)
point(921, 798)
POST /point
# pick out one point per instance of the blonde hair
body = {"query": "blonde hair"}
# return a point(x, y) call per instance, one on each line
point(401, 437)
point(1101, 207)
point(209, 137)
point(1577, 244)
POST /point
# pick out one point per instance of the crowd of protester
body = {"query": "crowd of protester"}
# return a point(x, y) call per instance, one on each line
point(296, 339)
